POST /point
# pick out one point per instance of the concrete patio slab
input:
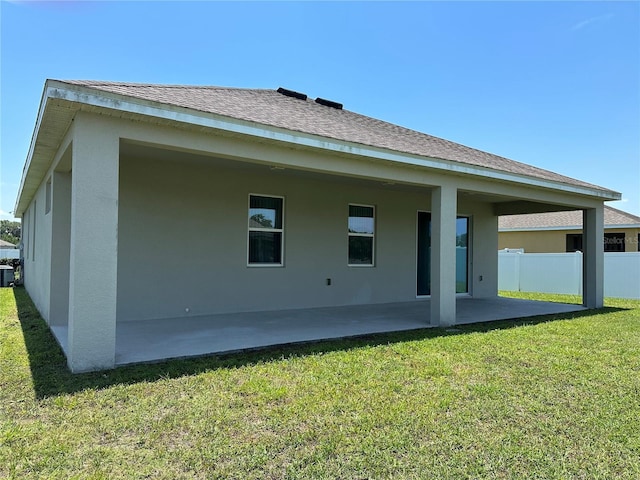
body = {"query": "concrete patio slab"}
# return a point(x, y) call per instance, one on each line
point(154, 340)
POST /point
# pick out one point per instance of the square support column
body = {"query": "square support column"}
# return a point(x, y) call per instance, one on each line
point(593, 257)
point(443, 255)
point(93, 245)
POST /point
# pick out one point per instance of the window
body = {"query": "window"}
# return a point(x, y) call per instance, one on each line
point(574, 242)
point(361, 235)
point(614, 242)
point(266, 231)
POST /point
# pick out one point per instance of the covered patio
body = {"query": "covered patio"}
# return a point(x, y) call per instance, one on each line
point(155, 340)
point(278, 205)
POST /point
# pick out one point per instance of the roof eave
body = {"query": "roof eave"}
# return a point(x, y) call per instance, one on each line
point(20, 207)
point(565, 227)
point(79, 94)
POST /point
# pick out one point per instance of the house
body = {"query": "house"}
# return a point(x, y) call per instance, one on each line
point(282, 203)
point(6, 245)
point(8, 250)
point(555, 232)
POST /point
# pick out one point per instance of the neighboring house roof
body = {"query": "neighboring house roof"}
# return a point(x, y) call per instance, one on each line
point(273, 116)
point(569, 220)
point(5, 244)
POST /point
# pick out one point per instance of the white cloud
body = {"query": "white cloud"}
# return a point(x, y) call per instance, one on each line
point(7, 215)
point(626, 205)
point(589, 21)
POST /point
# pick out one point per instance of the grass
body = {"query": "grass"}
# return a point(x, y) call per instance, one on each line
point(549, 397)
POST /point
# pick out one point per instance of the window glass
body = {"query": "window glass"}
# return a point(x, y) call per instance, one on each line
point(361, 228)
point(614, 242)
point(360, 250)
point(360, 219)
point(266, 232)
point(265, 247)
point(265, 212)
point(574, 242)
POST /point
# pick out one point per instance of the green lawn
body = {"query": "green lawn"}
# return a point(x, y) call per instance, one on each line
point(551, 397)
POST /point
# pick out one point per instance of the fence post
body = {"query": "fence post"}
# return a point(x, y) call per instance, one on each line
point(578, 273)
point(519, 270)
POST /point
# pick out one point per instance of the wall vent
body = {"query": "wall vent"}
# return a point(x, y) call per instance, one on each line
point(291, 93)
point(329, 103)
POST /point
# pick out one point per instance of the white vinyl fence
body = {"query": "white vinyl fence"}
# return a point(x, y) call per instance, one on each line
point(9, 253)
point(562, 273)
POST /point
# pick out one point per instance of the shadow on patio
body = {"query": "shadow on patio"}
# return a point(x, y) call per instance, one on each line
point(52, 377)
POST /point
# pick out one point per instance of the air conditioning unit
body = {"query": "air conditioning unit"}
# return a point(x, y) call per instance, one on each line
point(6, 276)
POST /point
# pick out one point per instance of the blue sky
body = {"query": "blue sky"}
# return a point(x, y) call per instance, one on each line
point(552, 84)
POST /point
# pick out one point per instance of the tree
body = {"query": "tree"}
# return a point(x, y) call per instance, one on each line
point(263, 221)
point(462, 240)
point(10, 231)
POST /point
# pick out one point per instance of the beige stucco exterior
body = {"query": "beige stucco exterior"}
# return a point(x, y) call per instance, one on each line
point(148, 220)
point(554, 241)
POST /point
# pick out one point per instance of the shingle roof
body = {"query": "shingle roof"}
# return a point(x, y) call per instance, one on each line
point(5, 244)
point(570, 219)
point(270, 108)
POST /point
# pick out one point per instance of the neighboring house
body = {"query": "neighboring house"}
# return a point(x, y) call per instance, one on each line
point(8, 250)
point(280, 202)
point(555, 232)
point(4, 244)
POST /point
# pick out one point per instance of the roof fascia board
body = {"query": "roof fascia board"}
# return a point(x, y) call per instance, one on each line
point(540, 229)
point(629, 225)
point(32, 145)
point(568, 227)
point(86, 95)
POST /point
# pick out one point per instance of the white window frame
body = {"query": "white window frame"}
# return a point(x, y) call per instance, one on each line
point(369, 235)
point(272, 230)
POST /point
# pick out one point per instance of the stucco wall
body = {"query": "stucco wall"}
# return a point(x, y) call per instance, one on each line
point(60, 248)
point(554, 241)
point(484, 243)
point(183, 241)
point(37, 250)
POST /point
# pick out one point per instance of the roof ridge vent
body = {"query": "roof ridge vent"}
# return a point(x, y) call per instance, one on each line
point(329, 103)
point(291, 93)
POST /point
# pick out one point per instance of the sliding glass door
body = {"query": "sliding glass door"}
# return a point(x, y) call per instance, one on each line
point(462, 255)
point(424, 254)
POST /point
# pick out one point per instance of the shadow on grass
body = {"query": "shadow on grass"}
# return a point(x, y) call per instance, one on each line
point(52, 377)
